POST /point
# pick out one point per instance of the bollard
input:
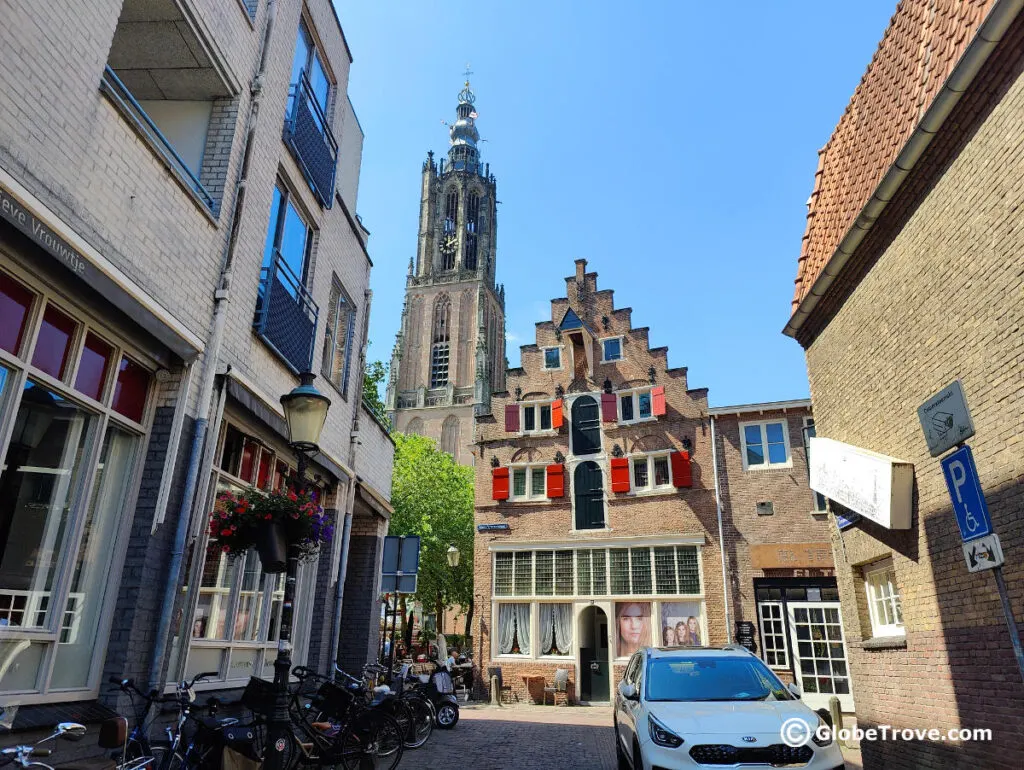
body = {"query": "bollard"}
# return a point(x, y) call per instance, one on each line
point(495, 692)
point(837, 719)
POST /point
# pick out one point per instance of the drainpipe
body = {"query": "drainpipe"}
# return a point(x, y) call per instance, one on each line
point(989, 34)
point(221, 298)
point(346, 532)
point(721, 540)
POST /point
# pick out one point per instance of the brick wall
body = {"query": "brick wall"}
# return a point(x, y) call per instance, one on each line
point(937, 296)
point(360, 630)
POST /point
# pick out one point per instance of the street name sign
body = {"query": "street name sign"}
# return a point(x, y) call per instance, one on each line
point(945, 419)
point(983, 553)
point(965, 493)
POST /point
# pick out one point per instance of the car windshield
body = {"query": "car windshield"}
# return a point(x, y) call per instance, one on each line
point(712, 679)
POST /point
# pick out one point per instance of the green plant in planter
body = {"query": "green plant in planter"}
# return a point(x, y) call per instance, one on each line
point(240, 519)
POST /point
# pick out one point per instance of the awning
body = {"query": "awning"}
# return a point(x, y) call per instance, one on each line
point(373, 499)
point(874, 485)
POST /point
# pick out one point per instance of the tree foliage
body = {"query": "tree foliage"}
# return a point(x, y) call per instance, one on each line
point(433, 498)
point(374, 376)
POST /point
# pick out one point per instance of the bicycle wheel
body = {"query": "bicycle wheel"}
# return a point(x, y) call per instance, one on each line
point(165, 759)
point(370, 741)
point(422, 713)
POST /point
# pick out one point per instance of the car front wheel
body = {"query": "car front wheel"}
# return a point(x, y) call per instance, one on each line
point(620, 755)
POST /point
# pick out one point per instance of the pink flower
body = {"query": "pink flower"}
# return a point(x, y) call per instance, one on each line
point(225, 548)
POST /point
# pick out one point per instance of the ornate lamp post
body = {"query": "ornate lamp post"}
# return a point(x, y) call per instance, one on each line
point(305, 411)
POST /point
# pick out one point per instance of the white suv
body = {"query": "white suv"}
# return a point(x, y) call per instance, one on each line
point(698, 707)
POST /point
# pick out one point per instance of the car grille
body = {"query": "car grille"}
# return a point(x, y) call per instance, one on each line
point(777, 755)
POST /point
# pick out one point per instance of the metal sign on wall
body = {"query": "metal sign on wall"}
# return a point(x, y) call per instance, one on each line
point(400, 564)
point(945, 419)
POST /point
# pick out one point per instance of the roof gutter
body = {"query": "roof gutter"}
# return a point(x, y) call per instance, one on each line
point(989, 35)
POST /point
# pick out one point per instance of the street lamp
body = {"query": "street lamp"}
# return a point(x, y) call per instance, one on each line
point(305, 411)
point(453, 556)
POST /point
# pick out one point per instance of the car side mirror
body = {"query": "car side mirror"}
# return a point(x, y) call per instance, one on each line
point(71, 731)
point(794, 688)
point(629, 691)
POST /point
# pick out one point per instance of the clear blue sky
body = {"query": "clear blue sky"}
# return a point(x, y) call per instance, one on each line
point(671, 144)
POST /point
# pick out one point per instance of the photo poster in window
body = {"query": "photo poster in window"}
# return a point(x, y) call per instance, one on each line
point(680, 624)
point(633, 627)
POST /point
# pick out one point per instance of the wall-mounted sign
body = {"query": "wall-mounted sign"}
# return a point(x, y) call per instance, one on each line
point(791, 555)
point(400, 564)
point(746, 635)
point(492, 528)
point(945, 419)
point(37, 231)
point(877, 487)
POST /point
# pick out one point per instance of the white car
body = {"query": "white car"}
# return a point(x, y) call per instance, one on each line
point(682, 707)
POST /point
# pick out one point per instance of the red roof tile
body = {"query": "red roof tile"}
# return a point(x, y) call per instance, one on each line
point(922, 44)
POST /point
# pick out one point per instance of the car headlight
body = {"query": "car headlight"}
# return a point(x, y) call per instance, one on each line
point(661, 735)
point(822, 733)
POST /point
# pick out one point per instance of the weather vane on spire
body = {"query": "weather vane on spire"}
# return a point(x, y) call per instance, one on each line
point(467, 73)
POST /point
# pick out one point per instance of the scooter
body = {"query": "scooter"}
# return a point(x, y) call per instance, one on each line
point(440, 691)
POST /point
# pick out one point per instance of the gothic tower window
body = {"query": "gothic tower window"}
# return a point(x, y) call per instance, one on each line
point(450, 435)
point(439, 351)
point(472, 220)
point(448, 238)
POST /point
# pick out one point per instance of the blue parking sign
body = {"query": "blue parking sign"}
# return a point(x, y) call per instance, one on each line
point(965, 493)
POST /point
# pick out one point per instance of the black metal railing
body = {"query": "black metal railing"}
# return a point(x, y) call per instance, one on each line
point(309, 137)
point(130, 106)
point(286, 315)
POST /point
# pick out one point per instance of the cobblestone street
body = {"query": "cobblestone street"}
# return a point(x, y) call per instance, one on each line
point(520, 737)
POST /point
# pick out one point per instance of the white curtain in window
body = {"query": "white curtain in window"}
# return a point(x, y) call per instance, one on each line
point(563, 627)
point(523, 627)
point(506, 627)
point(547, 627)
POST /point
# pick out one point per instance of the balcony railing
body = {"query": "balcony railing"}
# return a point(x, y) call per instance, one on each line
point(286, 315)
point(130, 107)
point(307, 134)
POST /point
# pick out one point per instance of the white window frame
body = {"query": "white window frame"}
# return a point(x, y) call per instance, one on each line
point(544, 358)
point(761, 424)
point(784, 666)
point(529, 496)
point(649, 458)
point(622, 352)
point(571, 655)
point(496, 653)
point(885, 569)
point(536, 430)
point(633, 394)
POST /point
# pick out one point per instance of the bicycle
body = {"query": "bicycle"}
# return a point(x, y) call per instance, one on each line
point(195, 741)
point(23, 754)
point(420, 710)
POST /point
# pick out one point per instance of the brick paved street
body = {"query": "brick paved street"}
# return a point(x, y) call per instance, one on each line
point(520, 737)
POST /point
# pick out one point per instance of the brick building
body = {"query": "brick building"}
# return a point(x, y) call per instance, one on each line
point(597, 524)
point(778, 555)
point(910, 277)
point(449, 354)
point(178, 241)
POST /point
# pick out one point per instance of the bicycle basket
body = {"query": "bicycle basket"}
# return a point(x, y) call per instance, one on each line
point(259, 696)
point(333, 700)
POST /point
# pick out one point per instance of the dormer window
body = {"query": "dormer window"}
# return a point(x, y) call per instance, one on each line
point(552, 358)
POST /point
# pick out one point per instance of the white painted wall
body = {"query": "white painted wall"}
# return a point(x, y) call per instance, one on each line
point(184, 123)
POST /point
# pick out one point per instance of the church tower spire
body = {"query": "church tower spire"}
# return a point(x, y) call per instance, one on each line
point(449, 355)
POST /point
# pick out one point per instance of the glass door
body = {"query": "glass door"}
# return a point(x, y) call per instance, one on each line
point(819, 653)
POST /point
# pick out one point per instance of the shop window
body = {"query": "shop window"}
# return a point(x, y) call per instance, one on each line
point(56, 335)
point(15, 304)
point(764, 445)
point(774, 649)
point(131, 389)
point(513, 629)
point(556, 622)
point(552, 358)
point(884, 605)
point(93, 367)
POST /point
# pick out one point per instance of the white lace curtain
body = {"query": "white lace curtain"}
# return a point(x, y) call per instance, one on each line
point(513, 625)
point(556, 628)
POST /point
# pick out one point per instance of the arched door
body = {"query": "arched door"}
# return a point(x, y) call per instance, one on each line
point(588, 491)
point(586, 426)
point(595, 667)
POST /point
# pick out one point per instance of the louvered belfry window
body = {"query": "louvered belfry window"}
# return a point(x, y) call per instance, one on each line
point(439, 352)
point(472, 221)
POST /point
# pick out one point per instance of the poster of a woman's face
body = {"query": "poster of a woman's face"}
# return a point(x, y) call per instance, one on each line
point(680, 622)
point(633, 622)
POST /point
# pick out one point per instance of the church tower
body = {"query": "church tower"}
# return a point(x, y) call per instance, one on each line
point(449, 353)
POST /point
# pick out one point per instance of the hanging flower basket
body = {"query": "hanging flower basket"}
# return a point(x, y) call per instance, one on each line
point(269, 523)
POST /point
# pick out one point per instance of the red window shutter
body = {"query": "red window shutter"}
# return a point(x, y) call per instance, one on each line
point(511, 419)
point(620, 474)
point(609, 412)
point(556, 415)
point(556, 481)
point(499, 483)
point(681, 473)
point(658, 401)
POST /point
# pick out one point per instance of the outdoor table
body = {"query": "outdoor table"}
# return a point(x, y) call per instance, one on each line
point(527, 678)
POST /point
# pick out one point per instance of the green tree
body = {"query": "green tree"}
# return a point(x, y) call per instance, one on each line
point(374, 376)
point(433, 498)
